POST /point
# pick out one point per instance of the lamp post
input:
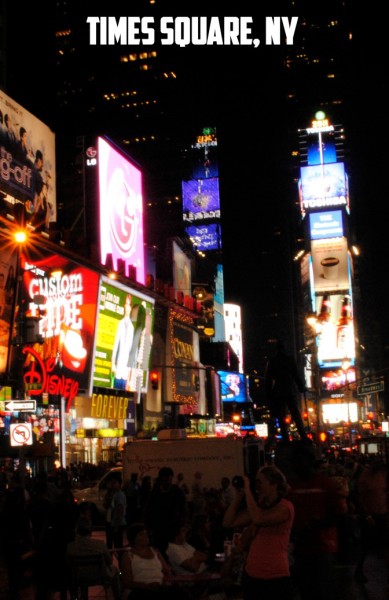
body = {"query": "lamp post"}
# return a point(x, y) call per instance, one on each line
point(346, 364)
point(316, 328)
point(16, 325)
point(15, 357)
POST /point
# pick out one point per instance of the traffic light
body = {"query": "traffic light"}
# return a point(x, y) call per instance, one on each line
point(154, 378)
point(323, 437)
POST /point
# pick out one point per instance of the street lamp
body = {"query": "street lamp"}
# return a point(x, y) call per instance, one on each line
point(316, 327)
point(346, 364)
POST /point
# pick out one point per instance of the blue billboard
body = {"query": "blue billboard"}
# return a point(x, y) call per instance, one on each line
point(233, 386)
point(327, 224)
point(205, 237)
point(201, 199)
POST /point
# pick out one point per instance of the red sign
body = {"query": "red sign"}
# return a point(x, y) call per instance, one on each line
point(64, 296)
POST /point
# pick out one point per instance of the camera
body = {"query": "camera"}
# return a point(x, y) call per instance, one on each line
point(238, 482)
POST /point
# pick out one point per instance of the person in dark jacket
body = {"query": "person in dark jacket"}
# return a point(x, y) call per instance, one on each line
point(283, 383)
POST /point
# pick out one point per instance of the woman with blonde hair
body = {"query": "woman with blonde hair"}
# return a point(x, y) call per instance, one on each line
point(268, 518)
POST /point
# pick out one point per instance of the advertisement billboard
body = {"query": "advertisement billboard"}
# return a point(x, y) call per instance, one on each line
point(205, 237)
point(63, 294)
point(182, 280)
point(327, 224)
point(321, 148)
point(330, 268)
point(201, 199)
point(334, 380)
point(336, 340)
point(27, 163)
point(204, 159)
point(121, 210)
point(344, 412)
point(123, 338)
point(204, 293)
point(183, 356)
point(233, 386)
point(323, 186)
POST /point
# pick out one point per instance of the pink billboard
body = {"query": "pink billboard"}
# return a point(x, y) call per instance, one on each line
point(121, 210)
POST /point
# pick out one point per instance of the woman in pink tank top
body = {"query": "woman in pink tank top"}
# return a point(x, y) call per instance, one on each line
point(268, 518)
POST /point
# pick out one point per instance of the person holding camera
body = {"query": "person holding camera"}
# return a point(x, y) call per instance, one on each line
point(268, 519)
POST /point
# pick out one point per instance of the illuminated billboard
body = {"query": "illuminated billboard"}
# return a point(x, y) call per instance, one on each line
point(64, 296)
point(206, 322)
point(121, 210)
point(201, 199)
point(322, 148)
point(323, 186)
point(233, 387)
point(181, 271)
point(327, 224)
point(336, 339)
point(27, 163)
point(330, 264)
point(204, 158)
point(205, 237)
point(123, 338)
point(344, 412)
point(334, 380)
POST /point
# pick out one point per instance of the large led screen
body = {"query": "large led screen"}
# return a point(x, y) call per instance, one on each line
point(336, 339)
point(121, 210)
point(330, 264)
point(204, 158)
point(327, 224)
point(27, 163)
point(321, 148)
point(201, 199)
point(323, 186)
point(334, 381)
point(123, 338)
point(63, 295)
point(233, 386)
point(335, 414)
point(205, 237)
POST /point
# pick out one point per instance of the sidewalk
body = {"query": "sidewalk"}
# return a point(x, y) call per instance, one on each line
point(376, 588)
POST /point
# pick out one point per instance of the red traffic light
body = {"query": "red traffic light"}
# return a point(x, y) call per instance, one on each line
point(154, 378)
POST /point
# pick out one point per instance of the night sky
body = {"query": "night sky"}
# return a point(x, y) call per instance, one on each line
point(241, 91)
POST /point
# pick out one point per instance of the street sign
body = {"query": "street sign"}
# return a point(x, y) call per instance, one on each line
point(20, 406)
point(367, 388)
point(21, 434)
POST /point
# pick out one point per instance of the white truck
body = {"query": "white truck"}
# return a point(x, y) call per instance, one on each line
point(214, 458)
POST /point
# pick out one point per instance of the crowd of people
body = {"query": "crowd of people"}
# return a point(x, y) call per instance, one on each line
point(282, 531)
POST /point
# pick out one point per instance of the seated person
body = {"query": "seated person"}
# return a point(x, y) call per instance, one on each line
point(144, 572)
point(183, 557)
point(84, 545)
